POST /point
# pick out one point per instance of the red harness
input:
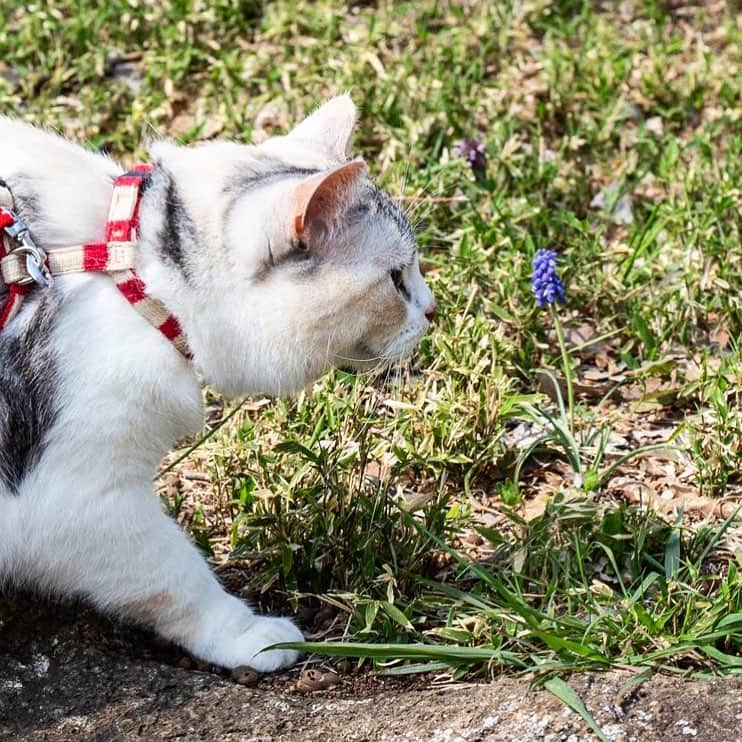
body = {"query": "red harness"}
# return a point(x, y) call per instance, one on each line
point(23, 263)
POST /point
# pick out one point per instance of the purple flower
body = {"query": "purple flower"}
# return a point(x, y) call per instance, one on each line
point(473, 152)
point(545, 283)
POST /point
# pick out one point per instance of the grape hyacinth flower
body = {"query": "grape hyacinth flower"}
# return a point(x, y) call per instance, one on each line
point(473, 152)
point(545, 283)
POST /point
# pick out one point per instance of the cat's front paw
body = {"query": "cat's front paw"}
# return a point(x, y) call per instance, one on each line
point(263, 632)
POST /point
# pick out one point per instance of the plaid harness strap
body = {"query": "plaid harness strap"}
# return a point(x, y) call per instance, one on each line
point(22, 263)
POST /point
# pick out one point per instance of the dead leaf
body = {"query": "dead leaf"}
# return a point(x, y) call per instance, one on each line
point(315, 680)
point(579, 335)
point(536, 507)
point(720, 336)
point(180, 124)
point(595, 374)
point(11, 75)
point(654, 125)
point(271, 118)
point(619, 210)
point(245, 675)
point(212, 127)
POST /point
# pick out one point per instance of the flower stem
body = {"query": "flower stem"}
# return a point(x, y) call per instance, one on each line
point(566, 366)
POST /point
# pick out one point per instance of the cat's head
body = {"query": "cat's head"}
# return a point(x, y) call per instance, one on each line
point(284, 259)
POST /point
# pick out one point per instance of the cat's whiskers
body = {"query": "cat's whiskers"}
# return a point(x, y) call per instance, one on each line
point(328, 352)
point(405, 176)
point(412, 203)
point(361, 360)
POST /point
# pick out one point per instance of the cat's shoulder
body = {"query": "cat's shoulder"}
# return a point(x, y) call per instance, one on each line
point(14, 132)
point(22, 143)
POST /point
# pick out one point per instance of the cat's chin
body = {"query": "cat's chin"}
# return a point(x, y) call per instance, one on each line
point(363, 360)
point(370, 366)
point(362, 367)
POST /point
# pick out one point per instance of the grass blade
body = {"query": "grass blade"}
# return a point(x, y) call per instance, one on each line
point(418, 651)
point(566, 694)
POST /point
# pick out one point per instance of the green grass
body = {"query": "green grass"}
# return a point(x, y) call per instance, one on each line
point(438, 507)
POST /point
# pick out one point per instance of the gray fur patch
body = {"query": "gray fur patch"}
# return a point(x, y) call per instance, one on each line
point(297, 258)
point(25, 199)
point(28, 383)
point(264, 172)
point(390, 210)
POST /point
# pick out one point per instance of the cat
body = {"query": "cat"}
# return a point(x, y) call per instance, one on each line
point(278, 260)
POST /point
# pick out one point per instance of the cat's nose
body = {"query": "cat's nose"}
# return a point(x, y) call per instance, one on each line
point(430, 313)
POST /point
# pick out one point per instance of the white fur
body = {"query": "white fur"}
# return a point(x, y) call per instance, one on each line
point(85, 521)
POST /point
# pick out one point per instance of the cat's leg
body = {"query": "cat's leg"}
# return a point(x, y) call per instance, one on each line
point(126, 556)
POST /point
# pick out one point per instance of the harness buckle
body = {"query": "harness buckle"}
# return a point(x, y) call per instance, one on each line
point(38, 271)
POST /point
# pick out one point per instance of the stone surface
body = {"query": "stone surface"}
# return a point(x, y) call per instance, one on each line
point(66, 673)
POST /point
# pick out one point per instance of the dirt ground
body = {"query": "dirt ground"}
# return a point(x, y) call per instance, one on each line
point(66, 673)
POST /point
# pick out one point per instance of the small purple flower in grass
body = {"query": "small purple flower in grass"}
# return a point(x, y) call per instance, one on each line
point(545, 283)
point(473, 152)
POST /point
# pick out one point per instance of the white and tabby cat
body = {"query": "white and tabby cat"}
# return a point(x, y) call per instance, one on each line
point(92, 397)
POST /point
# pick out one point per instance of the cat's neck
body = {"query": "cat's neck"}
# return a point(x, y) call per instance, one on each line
point(124, 366)
point(114, 376)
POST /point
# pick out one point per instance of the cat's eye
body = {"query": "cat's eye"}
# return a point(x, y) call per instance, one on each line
point(398, 281)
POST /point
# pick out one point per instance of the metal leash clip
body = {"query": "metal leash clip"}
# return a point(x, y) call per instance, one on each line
point(38, 271)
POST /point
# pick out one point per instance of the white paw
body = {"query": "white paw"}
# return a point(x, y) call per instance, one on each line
point(263, 632)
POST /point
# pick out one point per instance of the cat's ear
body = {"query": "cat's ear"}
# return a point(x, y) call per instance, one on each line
point(321, 198)
point(329, 128)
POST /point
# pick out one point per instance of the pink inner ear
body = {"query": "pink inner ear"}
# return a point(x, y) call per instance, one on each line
point(322, 197)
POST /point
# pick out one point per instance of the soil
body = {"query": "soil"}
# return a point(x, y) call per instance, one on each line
point(68, 673)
